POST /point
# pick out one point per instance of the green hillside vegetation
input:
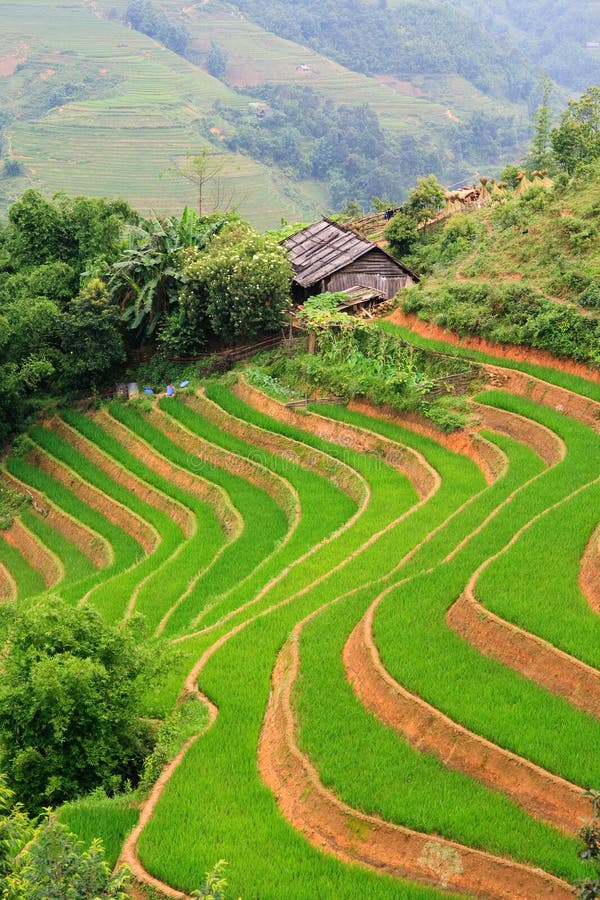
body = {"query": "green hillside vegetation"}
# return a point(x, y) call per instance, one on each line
point(131, 112)
point(398, 39)
point(524, 270)
point(87, 98)
point(333, 646)
point(540, 27)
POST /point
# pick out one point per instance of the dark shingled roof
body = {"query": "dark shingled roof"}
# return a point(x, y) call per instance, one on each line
point(326, 247)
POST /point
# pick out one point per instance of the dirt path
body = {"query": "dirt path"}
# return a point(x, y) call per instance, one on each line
point(578, 407)
point(435, 861)
point(202, 451)
point(115, 512)
point(8, 586)
point(412, 464)
point(35, 553)
point(539, 792)
point(354, 837)
point(536, 659)
point(508, 351)
point(194, 485)
point(87, 541)
point(589, 573)
point(129, 854)
point(546, 443)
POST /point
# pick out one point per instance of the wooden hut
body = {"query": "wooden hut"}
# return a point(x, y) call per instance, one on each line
point(328, 256)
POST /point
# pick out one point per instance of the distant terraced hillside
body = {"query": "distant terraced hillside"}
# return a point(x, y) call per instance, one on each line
point(93, 107)
point(121, 142)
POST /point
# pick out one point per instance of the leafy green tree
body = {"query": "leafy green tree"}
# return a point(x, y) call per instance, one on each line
point(426, 199)
point(146, 281)
point(16, 829)
point(244, 279)
point(38, 234)
point(29, 330)
point(510, 175)
point(41, 860)
point(91, 340)
point(82, 232)
point(69, 703)
point(540, 152)
point(577, 138)
point(13, 168)
point(401, 233)
point(216, 61)
point(54, 865)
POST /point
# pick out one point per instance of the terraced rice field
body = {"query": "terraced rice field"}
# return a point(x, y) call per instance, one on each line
point(394, 633)
point(122, 144)
point(161, 106)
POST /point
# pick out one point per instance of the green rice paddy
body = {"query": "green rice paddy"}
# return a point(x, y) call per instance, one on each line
point(324, 530)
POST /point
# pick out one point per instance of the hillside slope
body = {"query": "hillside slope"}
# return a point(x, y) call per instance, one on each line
point(524, 270)
point(92, 106)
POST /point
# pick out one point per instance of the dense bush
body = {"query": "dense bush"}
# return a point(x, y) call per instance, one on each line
point(238, 289)
point(70, 690)
point(145, 17)
point(510, 313)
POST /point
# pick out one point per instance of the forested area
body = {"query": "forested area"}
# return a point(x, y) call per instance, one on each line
point(144, 16)
point(83, 280)
point(540, 27)
point(415, 37)
point(347, 147)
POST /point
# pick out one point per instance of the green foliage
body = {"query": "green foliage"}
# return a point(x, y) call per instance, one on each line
point(426, 199)
point(510, 175)
point(510, 313)
point(269, 385)
point(147, 279)
point(346, 146)
point(144, 16)
point(576, 139)
point(216, 61)
point(81, 232)
point(356, 359)
point(540, 151)
point(187, 720)
point(16, 829)
point(243, 283)
point(438, 246)
point(91, 340)
point(12, 502)
point(384, 39)
point(54, 865)
point(401, 233)
point(41, 860)
point(69, 703)
point(321, 311)
point(215, 884)
point(448, 413)
point(13, 168)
